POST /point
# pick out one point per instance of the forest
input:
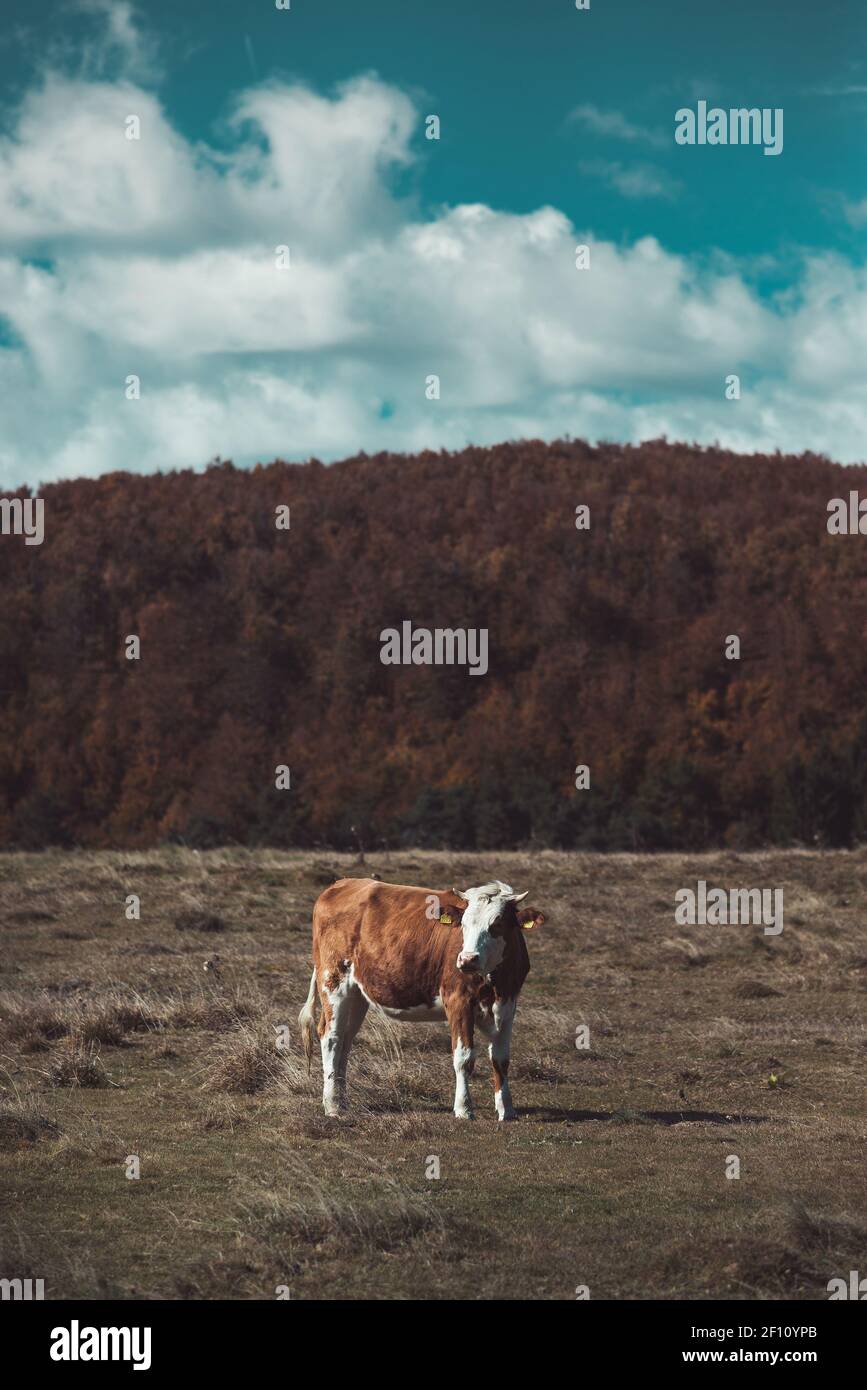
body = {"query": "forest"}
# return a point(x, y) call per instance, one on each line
point(608, 647)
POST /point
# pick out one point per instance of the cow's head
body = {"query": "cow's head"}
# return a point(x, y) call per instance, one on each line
point(490, 917)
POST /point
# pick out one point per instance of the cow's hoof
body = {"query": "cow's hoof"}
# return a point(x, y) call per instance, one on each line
point(464, 1115)
point(504, 1108)
point(334, 1111)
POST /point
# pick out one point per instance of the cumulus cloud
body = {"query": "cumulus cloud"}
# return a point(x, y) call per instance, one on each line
point(158, 257)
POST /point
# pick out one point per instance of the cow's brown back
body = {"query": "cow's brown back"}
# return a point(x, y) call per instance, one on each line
point(399, 956)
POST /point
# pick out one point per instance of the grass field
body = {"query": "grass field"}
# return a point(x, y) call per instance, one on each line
point(705, 1042)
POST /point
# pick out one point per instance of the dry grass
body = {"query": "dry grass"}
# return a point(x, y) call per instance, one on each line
point(212, 1012)
point(369, 1210)
point(22, 1119)
point(77, 1063)
point(245, 1062)
point(32, 1023)
point(704, 1042)
point(199, 921)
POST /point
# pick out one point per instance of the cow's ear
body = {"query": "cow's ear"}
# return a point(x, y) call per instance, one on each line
point(452, 907)
point(530, 918)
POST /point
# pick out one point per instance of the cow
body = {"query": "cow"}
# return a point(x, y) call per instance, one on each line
point(418, 955)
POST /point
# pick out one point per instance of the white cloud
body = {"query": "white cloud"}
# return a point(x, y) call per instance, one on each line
point(632, 180)
point(68, 173)
point(157, 257)
point(99, 40)
point(615, 125)
point(856, 213)
point(117, 44)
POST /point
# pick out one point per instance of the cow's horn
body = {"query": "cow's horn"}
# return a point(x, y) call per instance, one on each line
point(519, 897)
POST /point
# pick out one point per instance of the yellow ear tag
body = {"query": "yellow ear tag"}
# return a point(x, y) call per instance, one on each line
point(446, 920)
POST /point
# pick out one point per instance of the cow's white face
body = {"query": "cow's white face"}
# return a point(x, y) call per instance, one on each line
point(482, 926)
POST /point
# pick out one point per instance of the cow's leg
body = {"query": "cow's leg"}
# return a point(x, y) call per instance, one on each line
point(464, 1056)
point(498, 1027)
point(343, 1009)
point(356, 1011)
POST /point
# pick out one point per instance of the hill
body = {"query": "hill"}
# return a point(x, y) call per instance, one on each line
point(606, 647)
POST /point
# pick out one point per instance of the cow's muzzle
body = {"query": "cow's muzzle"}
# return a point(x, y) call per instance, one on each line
point(468, 962)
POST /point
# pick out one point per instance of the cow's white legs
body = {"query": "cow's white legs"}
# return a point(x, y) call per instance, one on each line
point(460, 1016)
point(343, 1011)
point(499, 1030)
point(464, 1059)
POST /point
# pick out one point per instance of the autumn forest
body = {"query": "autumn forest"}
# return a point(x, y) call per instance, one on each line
point(608, 648)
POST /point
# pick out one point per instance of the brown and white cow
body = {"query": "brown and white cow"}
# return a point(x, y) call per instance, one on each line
point(419, 955)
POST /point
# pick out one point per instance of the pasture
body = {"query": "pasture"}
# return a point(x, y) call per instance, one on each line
point(706, 1043)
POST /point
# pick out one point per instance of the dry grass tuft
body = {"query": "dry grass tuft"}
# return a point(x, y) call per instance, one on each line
point(99, 1024)
point(78, 1064)
point(22, 1121)
point(32, 1023)
point(222, 1115)
point(245, 1061)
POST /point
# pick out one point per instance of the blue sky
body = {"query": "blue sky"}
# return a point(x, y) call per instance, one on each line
point(506, 74)
point(412, 257)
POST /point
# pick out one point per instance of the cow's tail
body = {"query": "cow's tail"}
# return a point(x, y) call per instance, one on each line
point(307, 1020)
